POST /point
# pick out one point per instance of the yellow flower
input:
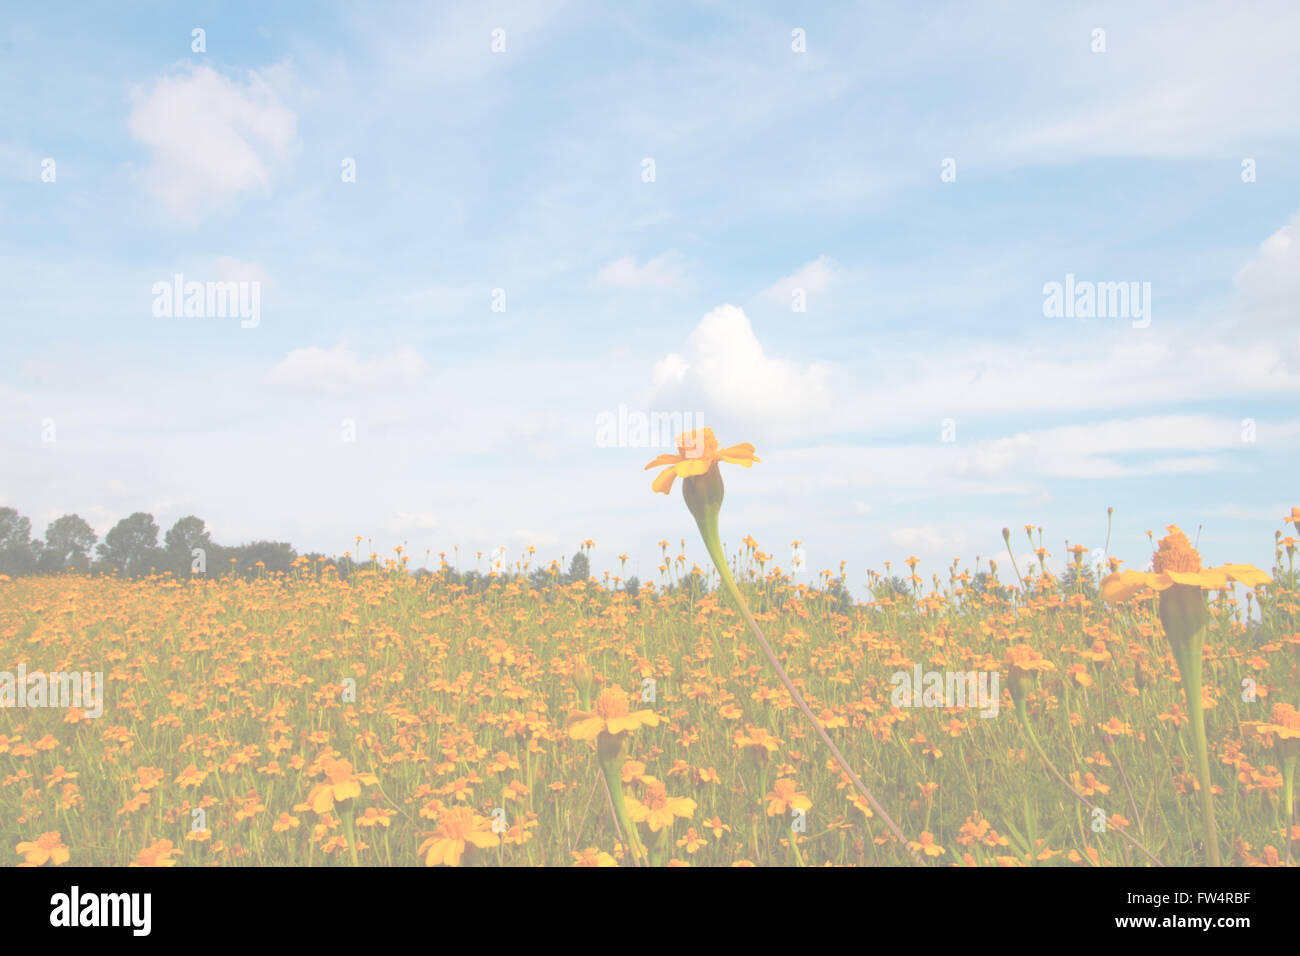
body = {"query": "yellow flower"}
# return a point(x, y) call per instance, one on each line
point(1177, 562)
point(160, 854)
point(927, 845)
point(612, 715)
point(784, 798)
point(341, 783)
point(1284, 725)
point(593, 857)
point(697, 452)
point(458, 829)
point(659, 809)
point(48, 846)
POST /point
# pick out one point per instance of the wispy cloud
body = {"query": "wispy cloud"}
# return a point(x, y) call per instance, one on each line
point(339, 371)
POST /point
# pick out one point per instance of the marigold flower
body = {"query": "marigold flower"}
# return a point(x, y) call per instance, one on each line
point(784, 797)
point(659, 809)
point(612, 715)
point(341, 783)
point(46, 847)
point(159, 854)
point(697, 452)
point(1177, 562)
point(458, 829)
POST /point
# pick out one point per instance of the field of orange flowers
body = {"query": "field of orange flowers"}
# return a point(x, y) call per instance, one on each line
point(389, 719)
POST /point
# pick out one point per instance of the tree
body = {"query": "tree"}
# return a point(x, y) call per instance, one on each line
point(17, 555)
point(187, 535)
point(276, 556)
point(579, 569)
point(68, 542)
point(132, 545)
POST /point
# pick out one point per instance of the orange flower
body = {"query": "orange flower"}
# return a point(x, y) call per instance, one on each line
point(659, 809)
point(593, 857)
point(341, 783)
point(1284, 725)
point(927, 845)
point(458, 829)
point(784, 797)
point(48, 846)
point(1177, 562)
point(612, 715)
point(160, 854)
point(697, 452)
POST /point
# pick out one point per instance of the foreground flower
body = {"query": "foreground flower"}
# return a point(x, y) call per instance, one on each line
point(593, 857)
point(703, 491)
point(659, 809)
point(612, 715)
point(1180, 581)
point(784, 797)
point(697, 453)
point(159, 854)
point(46, 847)
point(1178, 565)
point(341, 783)
point(458, 829)
point(608, 724)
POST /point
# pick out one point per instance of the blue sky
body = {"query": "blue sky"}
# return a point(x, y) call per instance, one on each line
point(776, 173)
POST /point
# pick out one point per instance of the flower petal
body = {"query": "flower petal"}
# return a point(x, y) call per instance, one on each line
point(664, 482)
point(664, 459)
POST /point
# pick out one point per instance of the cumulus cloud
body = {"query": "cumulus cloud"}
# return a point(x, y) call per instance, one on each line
point(661, 274)
point(727, 363)
point(339, 370)
point(210, 138)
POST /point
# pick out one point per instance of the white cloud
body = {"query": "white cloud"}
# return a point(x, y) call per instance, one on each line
point(813, 279)
point(661, 274)
point(1268, 286)
point(928, 539)
point(726, 362)
point(406, 522)
point(210, 138)
point(537, 539)
point(338, 371)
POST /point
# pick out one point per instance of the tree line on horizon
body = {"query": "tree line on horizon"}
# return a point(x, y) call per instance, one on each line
point(131, 548)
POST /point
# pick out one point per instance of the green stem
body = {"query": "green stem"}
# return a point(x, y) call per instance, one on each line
point(1022, 712)
point(1188, 658)
point(707, 520)
point(612, 769)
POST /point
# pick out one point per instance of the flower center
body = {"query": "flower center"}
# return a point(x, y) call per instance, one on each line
point(612, 702)
point(656, 796)
point(1284, 715)
point(457, 824)
point(1176, 553)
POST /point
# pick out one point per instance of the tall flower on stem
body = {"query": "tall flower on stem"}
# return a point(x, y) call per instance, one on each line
point(696, 463)
point(1180, 581)
point(607, 725)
